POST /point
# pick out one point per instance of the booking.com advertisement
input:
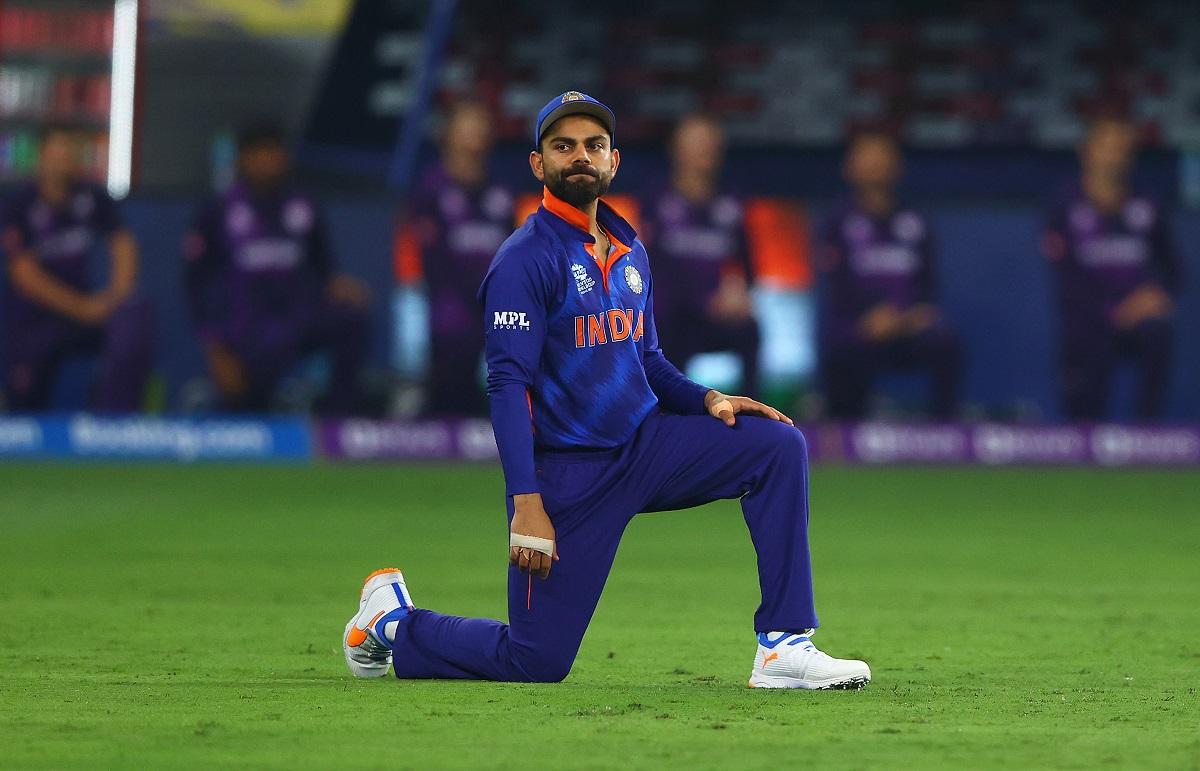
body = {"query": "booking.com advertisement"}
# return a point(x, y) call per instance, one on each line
point(289, 440)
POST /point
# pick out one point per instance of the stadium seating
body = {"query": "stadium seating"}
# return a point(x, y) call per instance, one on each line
point(1000, 74)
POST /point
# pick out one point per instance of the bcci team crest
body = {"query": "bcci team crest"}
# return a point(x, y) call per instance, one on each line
point(572, 96)
point(633, 279)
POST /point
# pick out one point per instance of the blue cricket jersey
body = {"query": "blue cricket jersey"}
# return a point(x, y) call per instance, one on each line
point(572, 352)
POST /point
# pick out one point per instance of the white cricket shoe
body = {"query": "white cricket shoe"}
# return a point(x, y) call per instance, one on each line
point(384, 600)
point(786, 660)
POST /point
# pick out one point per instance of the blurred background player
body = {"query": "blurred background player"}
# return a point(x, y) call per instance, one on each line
point(881, 312)
point(263, 287)
point(53, 307)
point(1117, 274)
point(451, 229)
point(697, 235)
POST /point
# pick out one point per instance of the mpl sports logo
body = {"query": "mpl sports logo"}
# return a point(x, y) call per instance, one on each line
point(510, 320)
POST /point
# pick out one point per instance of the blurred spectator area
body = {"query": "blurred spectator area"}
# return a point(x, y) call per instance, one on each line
point(55, 63)
point(996, 286)
point(952, 74)
point(209, 66)
point(1006, 76)
point(989, 96)
point(780, 239)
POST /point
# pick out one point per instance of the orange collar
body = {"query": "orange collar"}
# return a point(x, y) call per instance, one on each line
point(569, 214)
point(573, 216)
point(564, 210)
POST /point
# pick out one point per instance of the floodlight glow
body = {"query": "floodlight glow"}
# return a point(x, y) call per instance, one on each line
point(120, 116)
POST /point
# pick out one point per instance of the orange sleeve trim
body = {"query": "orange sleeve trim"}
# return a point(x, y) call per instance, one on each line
point(779, 240)
point(526, 204)
point(406, 255)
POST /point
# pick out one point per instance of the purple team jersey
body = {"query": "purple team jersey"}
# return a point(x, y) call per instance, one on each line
point(61, 238)
point(256, 262)
point(458, 232)
point(1102, 257)
point(871, 260)
point(693, 246)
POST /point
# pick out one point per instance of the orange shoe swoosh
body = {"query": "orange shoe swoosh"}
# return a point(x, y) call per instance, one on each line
point(357, 636)
point(766, 660)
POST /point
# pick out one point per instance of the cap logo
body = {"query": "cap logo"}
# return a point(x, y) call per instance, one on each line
point(572, 96)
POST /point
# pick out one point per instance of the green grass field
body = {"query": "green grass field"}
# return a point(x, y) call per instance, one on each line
point(164, 617)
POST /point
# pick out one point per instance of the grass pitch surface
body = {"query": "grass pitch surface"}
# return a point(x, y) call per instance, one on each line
point(165, 617)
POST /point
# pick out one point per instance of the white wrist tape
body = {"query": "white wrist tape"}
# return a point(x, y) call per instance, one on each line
point(544, 545)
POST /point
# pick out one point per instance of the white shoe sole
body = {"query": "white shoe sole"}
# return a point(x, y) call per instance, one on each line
point(848, 683)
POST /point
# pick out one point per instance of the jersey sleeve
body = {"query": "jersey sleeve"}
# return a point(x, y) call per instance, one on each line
point(1055, 244)
point(319, 252)
point(926, 278)
point(517, 294)
point(675, 391)
point(426, 228)
point(742, 261)
point(1165, 255)
point(106, 215)
point(843, 303)
point(14, 232)
point(203, 259)
point(409, 240)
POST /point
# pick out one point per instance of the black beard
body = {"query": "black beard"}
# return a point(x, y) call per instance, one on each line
point(580, 193)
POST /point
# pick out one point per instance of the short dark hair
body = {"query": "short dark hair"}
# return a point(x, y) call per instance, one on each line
point(260, 134)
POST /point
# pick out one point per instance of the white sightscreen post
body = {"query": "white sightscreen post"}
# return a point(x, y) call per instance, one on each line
point(120, 116)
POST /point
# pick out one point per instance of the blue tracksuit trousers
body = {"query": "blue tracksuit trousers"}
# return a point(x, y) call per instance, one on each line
point(672, 462)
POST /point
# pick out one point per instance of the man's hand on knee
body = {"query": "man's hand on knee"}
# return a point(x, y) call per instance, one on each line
point(724, 408)
point(531, 544)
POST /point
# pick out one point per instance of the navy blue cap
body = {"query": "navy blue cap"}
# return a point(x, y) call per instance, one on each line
point(573, 103)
